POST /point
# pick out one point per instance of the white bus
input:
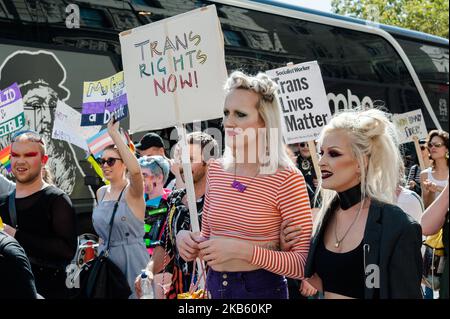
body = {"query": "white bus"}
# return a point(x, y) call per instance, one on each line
point(361, 63)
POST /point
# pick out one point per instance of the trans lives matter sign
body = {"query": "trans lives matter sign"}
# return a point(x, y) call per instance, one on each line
point(303, 101)
point(174, 70)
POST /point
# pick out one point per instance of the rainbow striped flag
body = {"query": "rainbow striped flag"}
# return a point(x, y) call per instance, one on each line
point(98, 142)
point(5, 155)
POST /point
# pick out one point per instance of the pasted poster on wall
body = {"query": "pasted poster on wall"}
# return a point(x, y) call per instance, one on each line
point(44, 77)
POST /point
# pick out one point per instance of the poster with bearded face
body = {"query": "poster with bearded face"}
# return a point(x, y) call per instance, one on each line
point(45, 77)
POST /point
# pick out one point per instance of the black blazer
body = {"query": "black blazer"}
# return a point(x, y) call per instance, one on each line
point(392, 241)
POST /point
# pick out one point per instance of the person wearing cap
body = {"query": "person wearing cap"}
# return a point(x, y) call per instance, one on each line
point(150, 144)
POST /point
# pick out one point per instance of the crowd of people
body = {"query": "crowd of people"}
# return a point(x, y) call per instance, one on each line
point(270, 226)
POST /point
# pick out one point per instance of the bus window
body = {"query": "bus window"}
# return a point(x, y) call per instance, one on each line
point(359, 69)
point(94, 18)
point(431, 64)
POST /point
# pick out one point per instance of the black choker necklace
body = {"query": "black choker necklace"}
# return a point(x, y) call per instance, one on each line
point(350, 197)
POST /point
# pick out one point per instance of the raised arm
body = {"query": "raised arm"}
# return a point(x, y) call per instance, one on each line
point(135, 192)
point(434, 216)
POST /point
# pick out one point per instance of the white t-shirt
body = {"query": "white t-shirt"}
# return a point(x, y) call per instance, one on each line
point(410, 203)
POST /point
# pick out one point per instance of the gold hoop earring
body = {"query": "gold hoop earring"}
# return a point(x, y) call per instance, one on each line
point(446, 155)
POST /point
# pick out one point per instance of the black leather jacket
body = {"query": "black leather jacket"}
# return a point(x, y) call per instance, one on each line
point(392, 241)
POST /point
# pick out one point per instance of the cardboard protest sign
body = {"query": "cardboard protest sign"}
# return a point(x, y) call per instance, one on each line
point(410, 125)
point(174, 70)
point(303, 101)
point(103, 99)
point(67, 127)
point(12, 117)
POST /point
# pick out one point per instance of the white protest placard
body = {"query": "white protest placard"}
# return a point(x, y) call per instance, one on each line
point(103, 99)
point(12, 117)
point(303, 101)
point(174, 70)
point(410, 125)
point(66, 126)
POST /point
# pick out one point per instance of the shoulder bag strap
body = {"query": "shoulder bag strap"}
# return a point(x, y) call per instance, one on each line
point(111, 222)
point(12, 209)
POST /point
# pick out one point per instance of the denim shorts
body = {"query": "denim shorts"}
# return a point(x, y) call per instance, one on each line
point(257, 284)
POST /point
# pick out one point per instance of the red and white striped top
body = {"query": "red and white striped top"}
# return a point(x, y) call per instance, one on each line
point(257, 214)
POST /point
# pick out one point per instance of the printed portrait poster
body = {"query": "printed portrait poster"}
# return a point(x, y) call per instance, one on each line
point(410, 124)
point(174, 70)
point(103, 99)
point(46, 77)
point(303, 101)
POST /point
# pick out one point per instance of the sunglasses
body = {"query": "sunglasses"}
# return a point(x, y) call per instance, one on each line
point(109, 161)
point(438, 145)
point(32, 136)
point(303, 144)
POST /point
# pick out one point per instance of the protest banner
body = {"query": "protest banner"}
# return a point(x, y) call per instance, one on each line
point(12, 117)
point(410, 128)
point(67, 127)
point(174, 70)
point(104, 98)
point(303, 104)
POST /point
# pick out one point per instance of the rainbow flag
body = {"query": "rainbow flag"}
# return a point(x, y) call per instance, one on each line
point(5, 155)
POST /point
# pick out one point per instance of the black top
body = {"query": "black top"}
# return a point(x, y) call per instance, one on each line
point(17, 281)
point(346, 276)
point(392, 240)
point(154, 219)
point(178, 219)
point(47, 229)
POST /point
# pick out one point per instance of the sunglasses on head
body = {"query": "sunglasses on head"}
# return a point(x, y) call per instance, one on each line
point(32, 136)
point(438, 145)
point(109, 161)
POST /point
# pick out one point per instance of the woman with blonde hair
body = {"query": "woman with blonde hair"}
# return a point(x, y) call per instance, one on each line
point(250, 193)
point(363, 247)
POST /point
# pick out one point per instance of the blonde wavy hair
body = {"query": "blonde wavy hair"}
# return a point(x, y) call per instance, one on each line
point(269, 110)
point(373, 139)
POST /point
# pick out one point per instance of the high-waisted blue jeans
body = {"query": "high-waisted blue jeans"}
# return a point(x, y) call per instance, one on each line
point(257, 284)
